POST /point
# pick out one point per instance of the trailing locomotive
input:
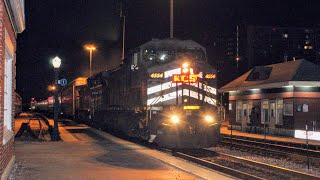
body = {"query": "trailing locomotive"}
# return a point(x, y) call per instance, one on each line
point(165, 92)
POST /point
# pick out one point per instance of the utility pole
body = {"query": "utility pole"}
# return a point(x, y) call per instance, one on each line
point(171, 19)
point(123, 31)
point(237, 57)
point(90, 62)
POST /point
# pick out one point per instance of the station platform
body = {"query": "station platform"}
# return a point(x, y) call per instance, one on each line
point(88, 153)
point(226, 131)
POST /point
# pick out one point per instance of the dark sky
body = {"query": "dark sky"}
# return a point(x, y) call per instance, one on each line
point(63, 27)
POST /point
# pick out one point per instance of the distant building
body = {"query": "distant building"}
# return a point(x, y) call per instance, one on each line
point(285, 96)
point(268, 45)
point(262, 45)
point(12, 21)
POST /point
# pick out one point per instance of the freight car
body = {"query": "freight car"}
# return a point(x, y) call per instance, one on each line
point(70, 97)
point(165, 92)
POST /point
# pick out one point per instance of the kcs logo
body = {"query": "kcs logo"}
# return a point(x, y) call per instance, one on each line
point(180, 78)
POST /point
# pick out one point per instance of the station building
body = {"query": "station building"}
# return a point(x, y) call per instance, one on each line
point(285, 98)
point(12, 22)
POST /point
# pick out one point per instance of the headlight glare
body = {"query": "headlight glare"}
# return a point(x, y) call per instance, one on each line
point(175, 119)
point(209, 119)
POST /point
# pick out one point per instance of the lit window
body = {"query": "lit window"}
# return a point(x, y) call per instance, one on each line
point(239, 111)
point(265, 111)
point(279, 119)
point(250, 106)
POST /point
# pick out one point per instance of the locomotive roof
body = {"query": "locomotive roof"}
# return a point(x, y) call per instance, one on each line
point(173, 43)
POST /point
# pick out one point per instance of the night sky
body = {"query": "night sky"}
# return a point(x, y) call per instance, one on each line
point(63, 27)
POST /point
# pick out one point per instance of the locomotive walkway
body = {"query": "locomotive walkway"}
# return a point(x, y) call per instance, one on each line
point(87, 153)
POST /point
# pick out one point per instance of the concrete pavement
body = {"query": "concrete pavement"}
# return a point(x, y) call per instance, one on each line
point(87, 153)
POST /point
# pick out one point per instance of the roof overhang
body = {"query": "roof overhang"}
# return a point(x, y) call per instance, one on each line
point(273, 85)
point(16, 14)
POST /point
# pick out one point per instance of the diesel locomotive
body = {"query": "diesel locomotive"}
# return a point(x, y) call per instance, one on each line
point(164, 92)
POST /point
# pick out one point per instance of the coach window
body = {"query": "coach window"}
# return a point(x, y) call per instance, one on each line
point(9, 51)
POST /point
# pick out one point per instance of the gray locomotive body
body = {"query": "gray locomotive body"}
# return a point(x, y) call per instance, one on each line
point(165, 92)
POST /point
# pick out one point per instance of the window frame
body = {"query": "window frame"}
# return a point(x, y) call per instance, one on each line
point(278, 122)
point(8, 89)
point(263, 121)
point(239, 116)
point(249, 106)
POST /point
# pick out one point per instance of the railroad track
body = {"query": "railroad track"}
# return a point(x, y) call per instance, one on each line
point(278, 150)
point(239, 167)
point(234, 166)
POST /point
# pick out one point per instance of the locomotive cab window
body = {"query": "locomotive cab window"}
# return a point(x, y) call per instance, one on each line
point(159, 56)
point(192, 54)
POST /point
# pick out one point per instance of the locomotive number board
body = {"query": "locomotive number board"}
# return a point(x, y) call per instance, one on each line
point(156, 75)
point(210, 76)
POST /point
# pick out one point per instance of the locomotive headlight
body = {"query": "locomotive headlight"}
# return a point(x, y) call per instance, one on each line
point(185, 70)
point(209, 119)
point(175, 119)
point(185, 67)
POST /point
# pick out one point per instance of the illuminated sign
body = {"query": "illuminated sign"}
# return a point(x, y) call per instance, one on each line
point(156, 75)
point(312, 135)
point(181, 78)
point(210, 76)
point(191, 107)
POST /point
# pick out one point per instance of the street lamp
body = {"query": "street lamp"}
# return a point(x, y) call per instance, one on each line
point(91, 48)
point(52, 88)
point(56, 62)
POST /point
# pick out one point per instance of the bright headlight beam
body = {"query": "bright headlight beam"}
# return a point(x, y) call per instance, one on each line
point(175, 119)
point(209, 119)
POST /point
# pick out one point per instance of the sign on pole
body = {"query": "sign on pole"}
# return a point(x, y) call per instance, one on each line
point(63, 82)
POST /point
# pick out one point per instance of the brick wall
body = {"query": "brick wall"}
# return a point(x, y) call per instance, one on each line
point(6, 150)
point(313, 113)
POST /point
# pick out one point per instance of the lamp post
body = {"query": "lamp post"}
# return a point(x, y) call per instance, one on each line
point(56, 62)
point(91, 48)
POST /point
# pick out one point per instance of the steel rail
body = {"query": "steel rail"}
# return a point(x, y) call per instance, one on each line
point(217, 167)
point(273, 168)
point(297, 150)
